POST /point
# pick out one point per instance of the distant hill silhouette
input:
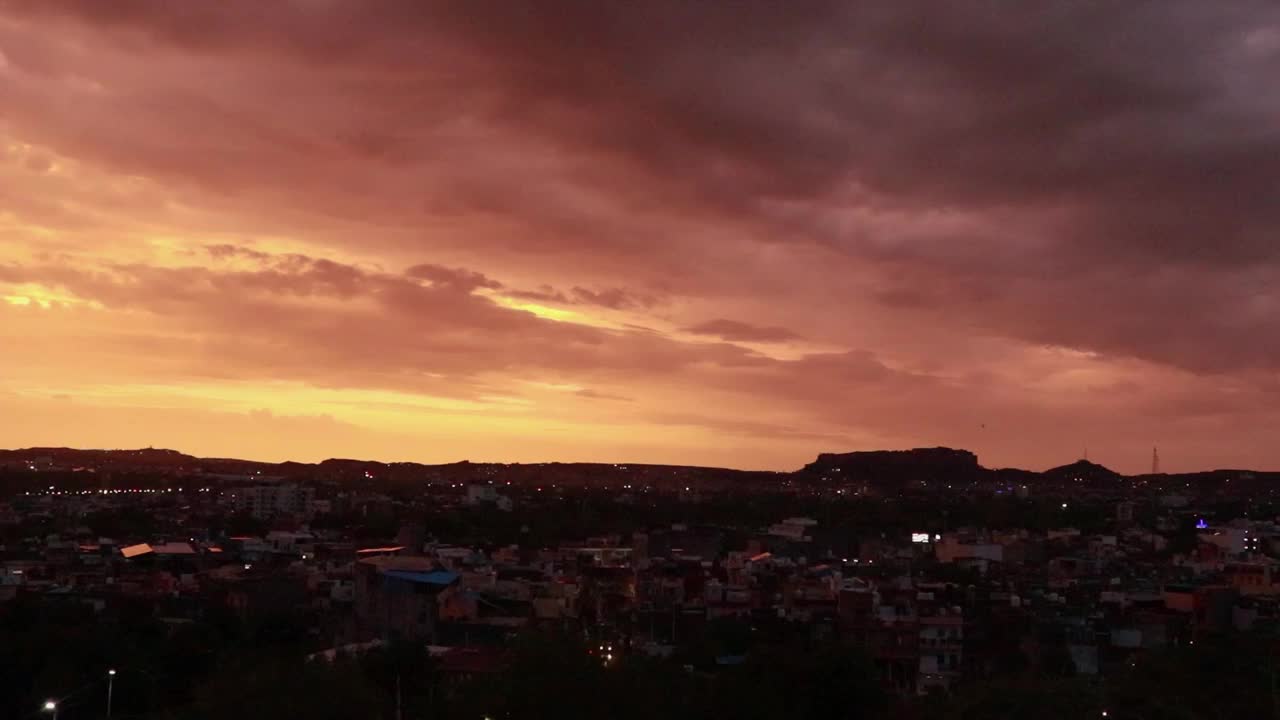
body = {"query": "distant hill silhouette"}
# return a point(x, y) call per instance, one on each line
point(877, 467)
point(1083, 470)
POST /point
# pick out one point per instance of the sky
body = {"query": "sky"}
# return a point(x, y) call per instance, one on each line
point(733, 234)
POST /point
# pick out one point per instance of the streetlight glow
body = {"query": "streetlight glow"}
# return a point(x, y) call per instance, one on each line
point(50, 705)
point(111, 686)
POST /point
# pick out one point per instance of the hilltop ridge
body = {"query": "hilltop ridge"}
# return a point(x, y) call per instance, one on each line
point(881, 466)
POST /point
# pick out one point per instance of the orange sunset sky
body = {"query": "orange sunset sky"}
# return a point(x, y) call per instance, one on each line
point(705, 233)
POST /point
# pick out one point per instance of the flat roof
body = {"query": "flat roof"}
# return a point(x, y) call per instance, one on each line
point(439, 578)
point(135, 550)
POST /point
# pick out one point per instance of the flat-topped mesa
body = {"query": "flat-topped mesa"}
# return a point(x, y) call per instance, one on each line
point(917, 464)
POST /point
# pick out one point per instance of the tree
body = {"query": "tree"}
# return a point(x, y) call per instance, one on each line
point(1026, 696)
point(1218, 677)
point(288, 689)
point(827, 682)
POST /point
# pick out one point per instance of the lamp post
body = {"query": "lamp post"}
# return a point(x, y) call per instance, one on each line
point(51, 706)
point(111, 681)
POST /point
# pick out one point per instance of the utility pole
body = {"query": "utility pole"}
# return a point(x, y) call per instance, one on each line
point(111, 680)
point(399, 715)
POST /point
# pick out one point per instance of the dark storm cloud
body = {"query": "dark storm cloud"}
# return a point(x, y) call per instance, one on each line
point(1147, 128)
point(1075, 184)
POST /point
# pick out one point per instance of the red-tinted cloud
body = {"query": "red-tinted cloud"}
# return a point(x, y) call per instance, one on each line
point(1055, 219)
point(733, 330)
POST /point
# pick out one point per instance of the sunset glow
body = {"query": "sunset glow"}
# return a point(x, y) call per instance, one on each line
point(714, 236)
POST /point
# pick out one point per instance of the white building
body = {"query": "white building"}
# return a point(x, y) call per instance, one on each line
point(1232, 540)
point(951, 549)
point(795, 528)
point(941, 643)
point(264, 501)
point(290, 542)
point(487, 494)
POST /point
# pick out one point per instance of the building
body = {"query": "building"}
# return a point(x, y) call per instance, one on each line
point(1234, 539)
point(1253, 577)
point(795, 529)
point(256, 593)
point(487, 495)
point(955, 549)
point(265, 501)
point(941, 643)
point(400, 596)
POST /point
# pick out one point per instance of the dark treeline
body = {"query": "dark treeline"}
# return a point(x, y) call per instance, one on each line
point(219, 667)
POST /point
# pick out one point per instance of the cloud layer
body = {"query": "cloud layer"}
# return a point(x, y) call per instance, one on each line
point(659, 231)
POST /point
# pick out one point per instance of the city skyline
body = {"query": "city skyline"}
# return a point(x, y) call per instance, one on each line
point(663, 233)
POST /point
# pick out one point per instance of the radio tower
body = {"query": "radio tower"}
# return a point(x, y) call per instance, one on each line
point(1155, 461)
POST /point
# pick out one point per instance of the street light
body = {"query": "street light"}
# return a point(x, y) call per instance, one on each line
point(51, 706)
point(111, 681)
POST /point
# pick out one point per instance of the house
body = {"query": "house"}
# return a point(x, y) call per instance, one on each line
point(400, 596)
point(252, 593)
point(1256, 577)
point(460, 664)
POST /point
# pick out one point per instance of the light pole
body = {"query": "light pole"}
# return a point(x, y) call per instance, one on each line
point(51, 706)
point(111, 680)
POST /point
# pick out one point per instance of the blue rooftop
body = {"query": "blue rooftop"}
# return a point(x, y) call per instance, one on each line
point(435, 577)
